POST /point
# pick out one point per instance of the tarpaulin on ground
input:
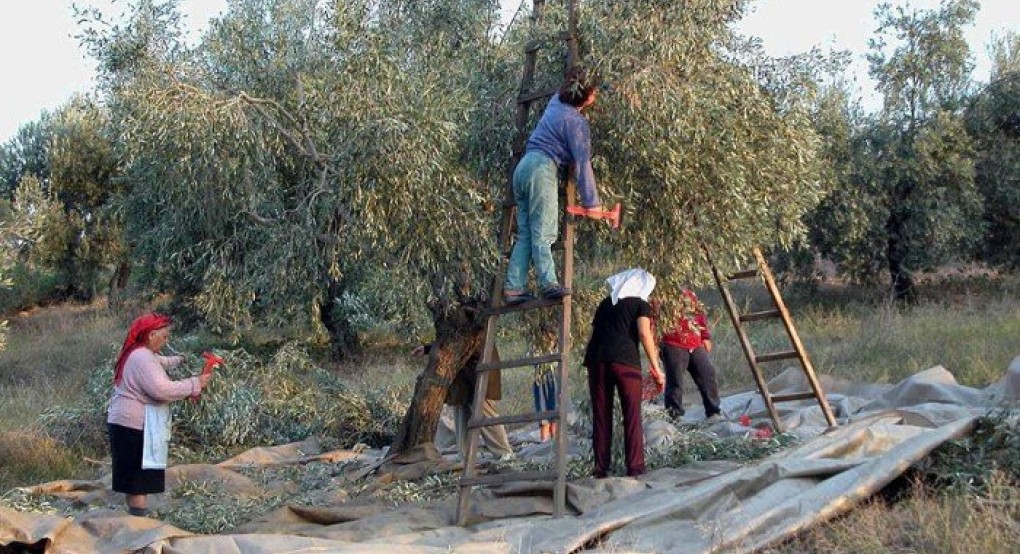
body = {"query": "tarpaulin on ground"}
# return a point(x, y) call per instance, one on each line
point(703, 507)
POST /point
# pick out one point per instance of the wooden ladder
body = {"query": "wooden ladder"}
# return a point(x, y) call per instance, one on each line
point(779, 311)
point(469, 477)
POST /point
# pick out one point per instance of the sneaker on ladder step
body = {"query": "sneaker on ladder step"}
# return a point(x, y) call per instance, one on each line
point(555, 292)
point(514, 298)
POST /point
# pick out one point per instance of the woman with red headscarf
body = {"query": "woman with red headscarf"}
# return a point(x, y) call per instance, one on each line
point(141, 392)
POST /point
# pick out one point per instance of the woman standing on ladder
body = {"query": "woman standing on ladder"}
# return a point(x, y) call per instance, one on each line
point(561, 140)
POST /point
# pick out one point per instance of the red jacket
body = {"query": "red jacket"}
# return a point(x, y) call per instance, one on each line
point(690, 332)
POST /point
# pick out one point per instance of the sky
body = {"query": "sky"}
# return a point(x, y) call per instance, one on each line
point(44, 65)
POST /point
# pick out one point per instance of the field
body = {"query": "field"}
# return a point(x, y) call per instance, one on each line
point(965, 500)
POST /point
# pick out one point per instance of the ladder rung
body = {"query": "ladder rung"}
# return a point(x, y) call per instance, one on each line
point(501, 478)
point(536, 45)
point(793, 396)
point(520, 362)
point(773, 356)
point(551, 415)
point(536, 95)
point(529, 305)
point(758, 316)
point(746, 274)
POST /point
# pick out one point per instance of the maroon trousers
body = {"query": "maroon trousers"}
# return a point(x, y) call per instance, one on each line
point(603, 378)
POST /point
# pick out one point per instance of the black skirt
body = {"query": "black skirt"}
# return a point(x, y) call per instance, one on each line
point(128, 475)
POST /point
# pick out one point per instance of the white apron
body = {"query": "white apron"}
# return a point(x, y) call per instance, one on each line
point(157, 436)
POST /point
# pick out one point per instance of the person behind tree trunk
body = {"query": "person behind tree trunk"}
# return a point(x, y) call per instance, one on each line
point(686, 347)
point(138, 417)
point(560, 141)
point(460, 395)
point(622, 321)
point(544, 387)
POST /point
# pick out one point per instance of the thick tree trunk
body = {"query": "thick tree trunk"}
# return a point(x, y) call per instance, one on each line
point(896, 254)
point(118, 282)
point(460, 337)
point(343, 340)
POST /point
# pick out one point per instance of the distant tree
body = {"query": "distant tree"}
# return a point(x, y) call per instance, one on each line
point(68, 158)
point(27, 153)
point(923, 178)
point(844, 227)
point(31, 225)
point(83, 172)
point(1004, 51)
point(993, 122)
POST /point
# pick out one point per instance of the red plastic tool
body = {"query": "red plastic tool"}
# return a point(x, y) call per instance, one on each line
point(211, 361)
point(612, 215)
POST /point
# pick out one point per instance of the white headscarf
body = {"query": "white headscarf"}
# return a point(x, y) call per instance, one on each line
point(636, 283)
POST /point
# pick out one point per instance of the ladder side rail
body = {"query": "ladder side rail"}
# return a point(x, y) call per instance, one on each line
point(809, 370)
point(563, 369)
point(481, 387)
point(573, 54)
point(745, 341)
point(527, 83)
point(560, 490)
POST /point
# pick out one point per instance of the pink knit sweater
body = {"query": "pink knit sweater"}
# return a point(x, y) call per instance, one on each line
point(145, 382)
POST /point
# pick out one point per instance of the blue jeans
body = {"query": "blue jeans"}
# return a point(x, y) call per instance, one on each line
point(535, 192)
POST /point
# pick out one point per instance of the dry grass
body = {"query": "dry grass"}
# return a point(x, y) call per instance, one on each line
point(26, 458)
point(969, 327)
point(925, 522)
point(50, 352)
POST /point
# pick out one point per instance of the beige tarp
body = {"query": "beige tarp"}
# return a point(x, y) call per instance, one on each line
point(704, 507)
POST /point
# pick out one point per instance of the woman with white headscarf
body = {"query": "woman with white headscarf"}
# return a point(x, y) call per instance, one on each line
point(622, 320)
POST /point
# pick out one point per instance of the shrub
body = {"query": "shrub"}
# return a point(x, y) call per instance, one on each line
point(969, 464)
point(29, 287)
point(249, 403)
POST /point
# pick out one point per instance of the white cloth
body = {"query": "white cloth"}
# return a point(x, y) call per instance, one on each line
point(636, 283)
point(156, 445)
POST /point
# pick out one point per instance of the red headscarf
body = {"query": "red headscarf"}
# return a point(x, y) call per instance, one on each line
point(137, 336)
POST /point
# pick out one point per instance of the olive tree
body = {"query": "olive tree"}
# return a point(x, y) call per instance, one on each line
point(299, 141)
point(26, 153)
point(302, 145)
point(993, 122)
point(691, 142)
point(68, 156)
point(924, 182)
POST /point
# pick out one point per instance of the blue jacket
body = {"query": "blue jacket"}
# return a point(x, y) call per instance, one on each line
point(563, 134)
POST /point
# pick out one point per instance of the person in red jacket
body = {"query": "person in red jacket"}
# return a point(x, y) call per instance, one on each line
point(686, 347)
